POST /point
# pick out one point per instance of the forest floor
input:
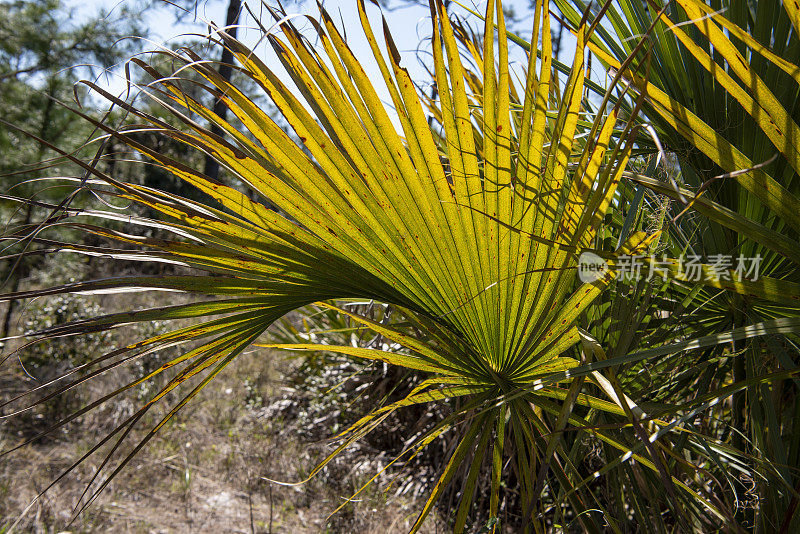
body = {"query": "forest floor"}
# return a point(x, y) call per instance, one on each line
point(209, 468)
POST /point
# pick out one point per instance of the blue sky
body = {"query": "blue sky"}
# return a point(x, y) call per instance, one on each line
point(410, 26)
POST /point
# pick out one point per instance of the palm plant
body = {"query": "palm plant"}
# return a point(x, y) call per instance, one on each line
point(470, 225)
point(721, 91)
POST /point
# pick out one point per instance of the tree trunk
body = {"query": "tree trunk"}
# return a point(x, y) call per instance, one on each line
point(17, 268)
point(211, 167)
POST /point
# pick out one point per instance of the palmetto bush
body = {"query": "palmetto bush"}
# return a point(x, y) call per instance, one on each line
point(578, 411)
point(722, 90)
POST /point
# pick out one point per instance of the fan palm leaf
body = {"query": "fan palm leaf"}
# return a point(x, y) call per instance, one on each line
point(721, 91)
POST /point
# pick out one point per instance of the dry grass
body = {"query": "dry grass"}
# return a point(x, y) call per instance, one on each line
point(206, 470)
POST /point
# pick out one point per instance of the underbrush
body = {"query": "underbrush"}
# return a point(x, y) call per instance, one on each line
point(217, 464)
